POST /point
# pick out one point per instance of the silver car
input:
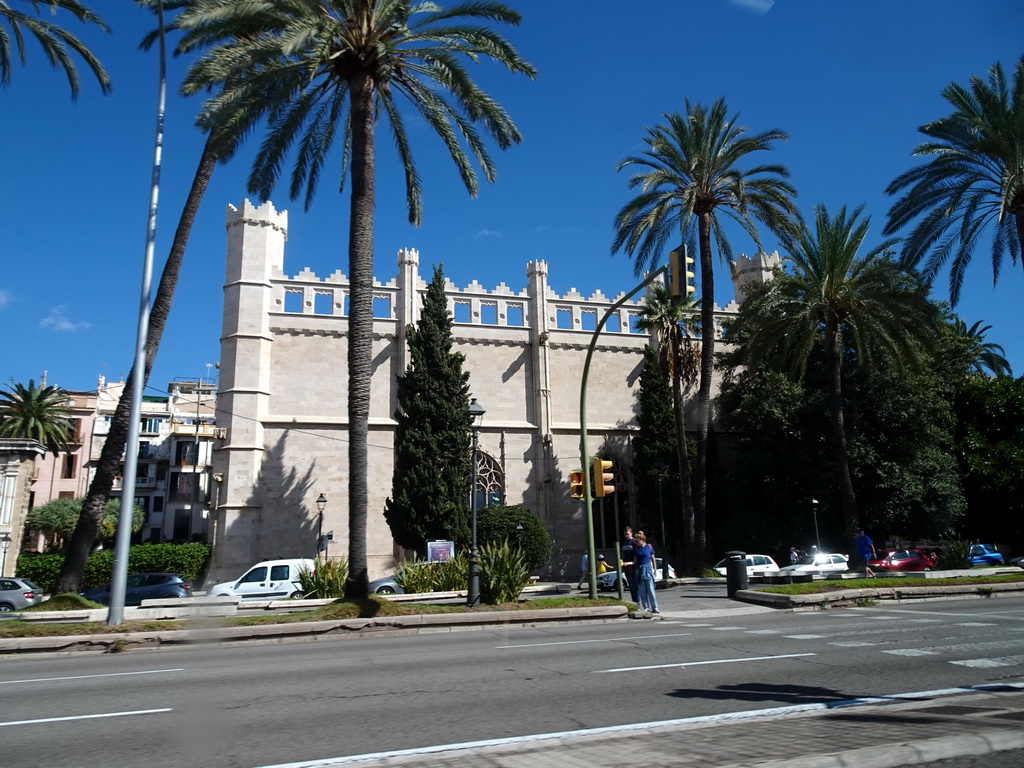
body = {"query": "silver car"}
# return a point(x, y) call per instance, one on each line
point(16, 594)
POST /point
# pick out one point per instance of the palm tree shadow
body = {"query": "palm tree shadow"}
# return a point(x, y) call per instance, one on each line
point(762, 692)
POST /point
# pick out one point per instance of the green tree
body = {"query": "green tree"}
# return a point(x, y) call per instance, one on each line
point(972, 184)
point(432, 454)
point(36, 413)
point(690, 181)
point(496, 523)
point(310, 67)
point(59, 518)
point(672, 322)
point(987, 355)
point(656, 456)
point(834, 299)
point(57, 43)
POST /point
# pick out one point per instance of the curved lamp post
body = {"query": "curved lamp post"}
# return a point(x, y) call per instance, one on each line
point(476, 417)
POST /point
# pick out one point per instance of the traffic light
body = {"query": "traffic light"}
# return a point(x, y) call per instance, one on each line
point(680, 273)
point(576, 481)
point(603, 477)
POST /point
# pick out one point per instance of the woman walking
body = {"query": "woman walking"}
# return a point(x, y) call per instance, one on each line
point(644, 564)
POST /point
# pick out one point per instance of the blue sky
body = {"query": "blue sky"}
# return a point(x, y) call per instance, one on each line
point(849, 81)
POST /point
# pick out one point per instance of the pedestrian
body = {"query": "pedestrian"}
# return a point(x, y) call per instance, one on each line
point(865, 550)
point(644, 563)
point(628, 545)
point(584, 571)
point(794, 555)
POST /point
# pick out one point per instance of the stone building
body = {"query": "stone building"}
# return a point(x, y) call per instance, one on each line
point(283, 398)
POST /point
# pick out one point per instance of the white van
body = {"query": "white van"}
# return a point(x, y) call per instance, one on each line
point(269, 580)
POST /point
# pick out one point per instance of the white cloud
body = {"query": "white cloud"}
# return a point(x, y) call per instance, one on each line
point(488, 233)
point(5, 298)
point(760, 7)
point(58, 320)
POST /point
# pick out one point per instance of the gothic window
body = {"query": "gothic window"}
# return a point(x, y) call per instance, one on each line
point(293, 301)
point(490, 481)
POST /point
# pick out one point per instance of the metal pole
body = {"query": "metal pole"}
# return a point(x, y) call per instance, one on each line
point(664, 541)
point(473, 594)
point(131, 453)
point(584, 455)
point(814, 508)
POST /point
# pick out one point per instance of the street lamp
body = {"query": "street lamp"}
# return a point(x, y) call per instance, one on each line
point(476, 417)
point(5, 544)
point(814, 508)
point(321, 545)
point(659, 466)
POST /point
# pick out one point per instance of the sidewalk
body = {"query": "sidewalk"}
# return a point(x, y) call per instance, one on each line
point(869, 734)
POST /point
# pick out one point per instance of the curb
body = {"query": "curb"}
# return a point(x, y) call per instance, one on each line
point(310, 630)
point(843, 597)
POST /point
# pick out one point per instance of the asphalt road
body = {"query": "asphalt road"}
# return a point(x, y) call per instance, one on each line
point(271, 704)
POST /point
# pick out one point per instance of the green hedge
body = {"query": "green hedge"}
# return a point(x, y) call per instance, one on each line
point(187, 559)
point(496, 523)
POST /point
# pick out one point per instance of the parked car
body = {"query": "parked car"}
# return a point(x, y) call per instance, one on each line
point(903, 560)
point(143, 586)
point(985, 554)
point(757, 565)
point(386, 586)
point(16, 593)
point(607, 581)
point(269, 580)
point(818, 563)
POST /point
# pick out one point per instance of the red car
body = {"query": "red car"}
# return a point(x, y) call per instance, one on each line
point(904, 560)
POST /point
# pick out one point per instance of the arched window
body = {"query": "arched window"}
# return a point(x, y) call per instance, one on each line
point(490, 481)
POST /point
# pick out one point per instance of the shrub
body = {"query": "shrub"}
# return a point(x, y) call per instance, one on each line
point(327, 579)
point(956, 554)
point(442, 576)
point(503, 573)
point(496, 523)
point(187, 559)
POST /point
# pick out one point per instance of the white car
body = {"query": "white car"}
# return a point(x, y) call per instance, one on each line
point(269, 580)
point(606, 581)
point(757, 565)
point(819, 563)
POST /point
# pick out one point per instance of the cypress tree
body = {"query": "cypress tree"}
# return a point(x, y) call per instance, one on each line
point(429, 489)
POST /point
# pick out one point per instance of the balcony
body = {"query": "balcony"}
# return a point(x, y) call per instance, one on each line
point(209, 431)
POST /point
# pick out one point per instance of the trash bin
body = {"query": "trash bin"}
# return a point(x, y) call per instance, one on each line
point(735, 572)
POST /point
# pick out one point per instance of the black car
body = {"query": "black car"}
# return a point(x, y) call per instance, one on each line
point(143, 586)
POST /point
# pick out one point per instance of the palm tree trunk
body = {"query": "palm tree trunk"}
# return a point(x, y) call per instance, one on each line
point(707, 364)
point(109, 465)
point(683, 459)
point(833, 365)
point(360, 328)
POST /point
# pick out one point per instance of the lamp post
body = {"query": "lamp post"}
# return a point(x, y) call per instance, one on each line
point(321, 545)
point(814, 509)
point(476, 416)
point(660, 467)
point(5, 544)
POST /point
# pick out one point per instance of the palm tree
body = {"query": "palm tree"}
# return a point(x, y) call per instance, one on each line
point(108, 466)
point(973, 183)
point(835, 300)
point(57, 43)
point(36, 413)
point(312, 67)
point(986, 355)
point(690, 179)
point(673, 321)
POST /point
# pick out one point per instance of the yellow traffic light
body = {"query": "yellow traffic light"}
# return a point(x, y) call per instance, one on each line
point(603, 477)
point(680, 273)
point(576, 481)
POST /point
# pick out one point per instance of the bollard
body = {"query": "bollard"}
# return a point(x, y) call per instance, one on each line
point(735, 572)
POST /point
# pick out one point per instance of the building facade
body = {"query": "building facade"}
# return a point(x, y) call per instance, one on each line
point(283, 397)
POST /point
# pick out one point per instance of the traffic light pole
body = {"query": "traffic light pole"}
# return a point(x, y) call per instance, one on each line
point(588, 500)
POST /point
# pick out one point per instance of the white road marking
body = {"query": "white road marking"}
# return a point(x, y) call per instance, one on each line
point(853, 644)
point(86, 717)
point(764, 631)
point(911, 652)
point(536, 738)
point(804, 637)
point(86, 677)
point(975, 624)
point(726, 629)
point(1002, 661)
point(608, 640)
point(701, 663)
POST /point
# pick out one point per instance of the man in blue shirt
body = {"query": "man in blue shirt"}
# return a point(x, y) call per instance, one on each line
point(865, 550)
